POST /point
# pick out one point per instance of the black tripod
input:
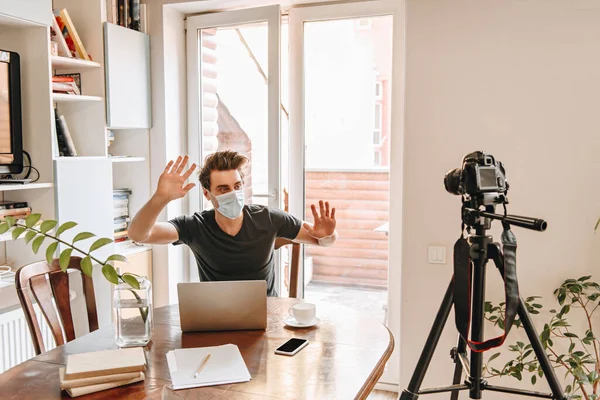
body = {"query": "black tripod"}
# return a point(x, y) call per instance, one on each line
point(481, 249)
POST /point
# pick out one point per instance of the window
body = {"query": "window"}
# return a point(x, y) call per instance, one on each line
point(378, 90)
point(377, 124)
point(363, 24)
point(377, 157)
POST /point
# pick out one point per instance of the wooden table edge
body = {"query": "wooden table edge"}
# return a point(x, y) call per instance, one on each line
point(377, 372)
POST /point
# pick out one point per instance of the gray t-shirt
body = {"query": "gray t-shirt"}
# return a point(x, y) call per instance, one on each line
point(245, 256)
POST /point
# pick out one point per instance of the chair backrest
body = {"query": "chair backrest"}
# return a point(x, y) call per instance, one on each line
point(46, 283)
point(294, 263)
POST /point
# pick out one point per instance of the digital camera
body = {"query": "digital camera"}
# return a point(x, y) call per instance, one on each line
point(480, 174)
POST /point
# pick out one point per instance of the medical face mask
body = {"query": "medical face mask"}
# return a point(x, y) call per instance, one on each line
point(230, 204)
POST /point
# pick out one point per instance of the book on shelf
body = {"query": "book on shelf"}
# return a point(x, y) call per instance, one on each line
point(70, 35)
point(57, 37)
point(67, 83)
point(127, 13)
point(15, 211)
point(7, 204)
point(66, 146)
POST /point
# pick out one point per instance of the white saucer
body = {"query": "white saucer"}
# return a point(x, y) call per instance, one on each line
point(290, 321)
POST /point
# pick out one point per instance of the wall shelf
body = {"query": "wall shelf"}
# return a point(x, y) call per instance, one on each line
point(59, 62)
point(27, 186)
point(126, 159)
point(127, 248)
point(60, 97)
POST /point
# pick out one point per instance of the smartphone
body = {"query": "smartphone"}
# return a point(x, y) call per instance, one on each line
point(291, 347)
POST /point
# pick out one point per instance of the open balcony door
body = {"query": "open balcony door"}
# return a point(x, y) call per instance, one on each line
point(234, 99)
point(346, 139)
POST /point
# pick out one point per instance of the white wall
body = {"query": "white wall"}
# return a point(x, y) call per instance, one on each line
point(168, 133)
point(519, 79)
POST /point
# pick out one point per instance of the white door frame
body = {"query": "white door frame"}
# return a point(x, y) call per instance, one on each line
point(272, 15)
point(298, 16)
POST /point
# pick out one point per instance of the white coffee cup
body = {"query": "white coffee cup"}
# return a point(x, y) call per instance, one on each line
point(304, 313)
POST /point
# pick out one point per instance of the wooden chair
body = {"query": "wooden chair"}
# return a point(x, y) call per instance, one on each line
point(47, 282)
point(294, 264)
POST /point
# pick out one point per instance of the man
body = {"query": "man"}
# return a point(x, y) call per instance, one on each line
point(232, 241)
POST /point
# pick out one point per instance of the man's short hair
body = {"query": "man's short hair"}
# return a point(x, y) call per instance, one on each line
point(221, 161)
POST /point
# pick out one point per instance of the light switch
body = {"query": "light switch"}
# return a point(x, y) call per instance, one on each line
point(436, 254)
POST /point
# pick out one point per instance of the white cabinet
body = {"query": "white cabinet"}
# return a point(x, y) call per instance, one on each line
point(83, 188)
point(26, 11)
point(127, 63)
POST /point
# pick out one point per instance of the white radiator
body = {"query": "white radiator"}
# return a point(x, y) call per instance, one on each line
point(15, 340)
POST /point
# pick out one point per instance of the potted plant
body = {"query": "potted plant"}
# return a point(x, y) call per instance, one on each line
point(132, 291)
point(576, 352)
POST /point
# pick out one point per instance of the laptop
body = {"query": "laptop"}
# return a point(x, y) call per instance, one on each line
point(222, 306)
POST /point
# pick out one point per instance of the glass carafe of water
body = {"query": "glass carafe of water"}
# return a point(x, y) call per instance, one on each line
point(134, 324)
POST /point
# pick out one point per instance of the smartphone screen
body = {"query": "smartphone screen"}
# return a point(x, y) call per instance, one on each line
point(291, 345)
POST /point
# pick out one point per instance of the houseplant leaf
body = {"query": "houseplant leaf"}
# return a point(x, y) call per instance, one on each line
point(64, 258)
point(10, 221)
point(4, 227)
point(86, 266)
point(131, 280)
point(47, 225)
point(65, 226)
point(32, 219)
point(99, 243)
point(110, 274)
point(29, 236)
point(17, 232)
point(116, 257)
point(50, 252)
point(37, 243)
point(82, 236)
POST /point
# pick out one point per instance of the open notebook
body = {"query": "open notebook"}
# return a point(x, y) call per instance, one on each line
point(225, 366)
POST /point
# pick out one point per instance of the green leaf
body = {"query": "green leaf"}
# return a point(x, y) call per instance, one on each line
point(10, 221)
point(64, 258)
point(571, 347)
point(86, 266)
point(533, 379)
point(584, 278)
point(50, 252)
point(597, 225)
point(4, 227)
point(32, 219)
point(37, 243)
point(47, 225)
point(29, 236)
point(493, 357)
point(65, 226)
point(131, 280)
point(110, 274)
point(99, 243)
point(116, 257)
point(82, 236)
point(17, 232)
point(571, 335)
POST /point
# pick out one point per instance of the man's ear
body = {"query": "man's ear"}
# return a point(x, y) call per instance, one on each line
point(206, 194)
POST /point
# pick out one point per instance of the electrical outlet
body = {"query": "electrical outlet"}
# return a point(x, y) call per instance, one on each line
point(436, 254)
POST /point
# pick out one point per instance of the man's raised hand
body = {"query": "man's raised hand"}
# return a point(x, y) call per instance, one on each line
point(171, 183)
point(324, 225)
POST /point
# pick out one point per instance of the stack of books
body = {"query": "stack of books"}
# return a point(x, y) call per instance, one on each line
point(101, 370)
point(15, 209)
point(66, 146)
point(121, 214)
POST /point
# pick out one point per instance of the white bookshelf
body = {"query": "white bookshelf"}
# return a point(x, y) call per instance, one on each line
point(59, 62)
point(6, 187)
point(74, 98)
point(127, 159)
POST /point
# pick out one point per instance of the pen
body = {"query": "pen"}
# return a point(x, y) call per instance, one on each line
point(201, 365)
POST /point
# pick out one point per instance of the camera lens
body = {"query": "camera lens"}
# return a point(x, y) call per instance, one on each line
point(452, 181)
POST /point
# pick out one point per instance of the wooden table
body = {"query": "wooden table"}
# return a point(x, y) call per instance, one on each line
point(345, 357)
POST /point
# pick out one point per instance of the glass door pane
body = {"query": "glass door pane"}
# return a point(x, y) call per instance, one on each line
point(234, 100)
point(347, 76)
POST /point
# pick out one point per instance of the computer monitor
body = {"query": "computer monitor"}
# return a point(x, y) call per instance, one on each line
point(11, 136)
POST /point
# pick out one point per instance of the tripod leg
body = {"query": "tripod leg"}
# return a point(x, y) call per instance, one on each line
point(532, 334)
point(541, 355)
point(460, 349)
point(412, 392)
